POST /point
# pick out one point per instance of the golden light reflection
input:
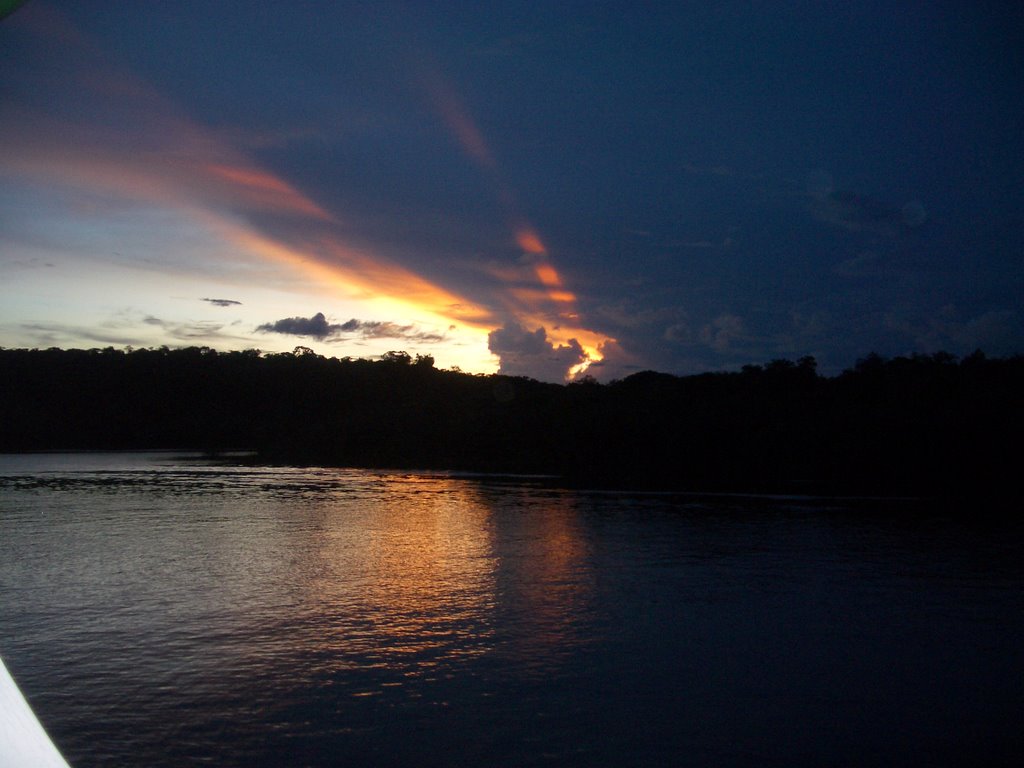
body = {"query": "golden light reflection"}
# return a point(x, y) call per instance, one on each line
point(406, 577)
point(546, 575)
point(421, 573)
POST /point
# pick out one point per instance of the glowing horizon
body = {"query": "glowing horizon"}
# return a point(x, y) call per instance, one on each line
point(236, 218)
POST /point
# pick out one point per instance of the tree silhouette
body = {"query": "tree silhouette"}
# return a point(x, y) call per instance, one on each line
point(920, 425)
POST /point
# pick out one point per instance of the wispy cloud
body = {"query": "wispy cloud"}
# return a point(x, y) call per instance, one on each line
point(861, 213)
point(383, 329)
point(192, 332)
point(456, 117)
point(62, 335)
point(723, 332)
point(996, 331)
point(154, 155)
point(111, 136)
point(128, 329)
point(223, 302)
point(863, 264)
point(534, 292)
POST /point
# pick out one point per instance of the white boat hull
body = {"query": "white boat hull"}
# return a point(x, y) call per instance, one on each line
point(24, 742)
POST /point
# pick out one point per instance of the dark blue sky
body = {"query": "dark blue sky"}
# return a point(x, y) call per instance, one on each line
point(676, 186)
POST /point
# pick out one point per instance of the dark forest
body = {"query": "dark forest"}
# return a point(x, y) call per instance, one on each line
point(927, 425)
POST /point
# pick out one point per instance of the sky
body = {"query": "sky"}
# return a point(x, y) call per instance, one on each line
point(542, 189)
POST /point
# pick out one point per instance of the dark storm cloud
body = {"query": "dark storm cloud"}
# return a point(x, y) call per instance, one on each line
point(530, 353)
point(953, 330)
point(223, 302)
point(317, 327)
point(677, 204)
point(723, 332)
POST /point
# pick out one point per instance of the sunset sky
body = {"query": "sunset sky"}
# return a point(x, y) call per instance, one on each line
point(540, 188)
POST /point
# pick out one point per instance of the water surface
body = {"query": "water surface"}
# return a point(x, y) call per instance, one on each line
point(159, 611)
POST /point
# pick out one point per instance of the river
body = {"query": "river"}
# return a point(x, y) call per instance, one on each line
point(165, 610)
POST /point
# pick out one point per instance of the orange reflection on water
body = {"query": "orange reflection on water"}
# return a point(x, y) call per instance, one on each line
point(407, 577)
point(414, 575)
point(549, 583)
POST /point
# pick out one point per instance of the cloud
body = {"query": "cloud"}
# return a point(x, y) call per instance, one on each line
point(456, 117)
point(616, 363)
point(186, 331)
point(703, 245)
point(102, 134)
point(995, 331)
point(55, 334)
point(860, 213)
point(317, 327)
point(678, 333)
point(530, 353)
point(708, 170)
point(627, 314)
point(128, 329)
point(722, 332)
point(863, 264)
point(223, 302)
point(384, 329)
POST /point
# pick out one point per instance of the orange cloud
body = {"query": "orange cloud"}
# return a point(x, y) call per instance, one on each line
point(378, 276)
point(548, 305)
point(534, 297)
point(267, 191)
point(353, 274)
point(189, 170)
point(173, 161)
point(530, 242)
point(548, 275)
point(455, 115)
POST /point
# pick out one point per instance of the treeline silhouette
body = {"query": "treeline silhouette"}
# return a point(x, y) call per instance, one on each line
point(921, 425)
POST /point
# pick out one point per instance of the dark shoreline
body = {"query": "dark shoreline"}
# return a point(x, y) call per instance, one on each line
point(928, 426)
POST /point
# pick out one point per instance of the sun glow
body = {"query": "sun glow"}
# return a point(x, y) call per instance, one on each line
point(534, 293)
point(160, 194)
point(218, 197)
